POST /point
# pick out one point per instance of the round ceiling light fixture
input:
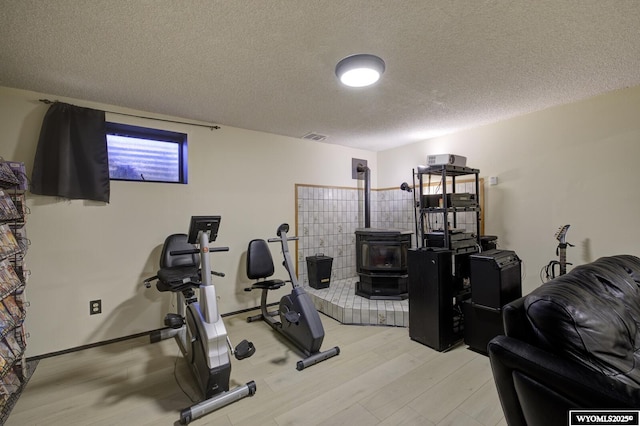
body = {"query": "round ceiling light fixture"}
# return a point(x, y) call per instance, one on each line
point(360, 70)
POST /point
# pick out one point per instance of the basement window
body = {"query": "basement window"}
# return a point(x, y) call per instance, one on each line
point(146, 155)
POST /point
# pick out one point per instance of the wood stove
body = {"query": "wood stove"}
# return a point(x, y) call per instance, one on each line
point(381, 263)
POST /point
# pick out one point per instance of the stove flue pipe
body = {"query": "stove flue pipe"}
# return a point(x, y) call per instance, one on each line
point(367, 194)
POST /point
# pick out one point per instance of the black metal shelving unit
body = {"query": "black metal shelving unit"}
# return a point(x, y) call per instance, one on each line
point(439, 269)
point(445, 210)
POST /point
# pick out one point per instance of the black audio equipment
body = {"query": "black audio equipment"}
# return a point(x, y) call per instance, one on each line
point(458, 241)
point(488, 242)
point(495, 278)
point(495, 281)
point(454, 199)
point(435, 317)
point(453, 235)
point(481, 324)
point(453, 244)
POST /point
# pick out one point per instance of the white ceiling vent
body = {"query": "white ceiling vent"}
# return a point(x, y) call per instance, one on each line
point(314, 137)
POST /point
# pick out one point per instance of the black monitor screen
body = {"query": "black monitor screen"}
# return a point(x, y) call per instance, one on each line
point(209, 224)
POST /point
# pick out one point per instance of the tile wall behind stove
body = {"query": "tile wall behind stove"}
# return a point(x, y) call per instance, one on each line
point(328, 217)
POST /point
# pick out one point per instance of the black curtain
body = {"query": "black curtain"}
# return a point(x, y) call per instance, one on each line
point(71, 159)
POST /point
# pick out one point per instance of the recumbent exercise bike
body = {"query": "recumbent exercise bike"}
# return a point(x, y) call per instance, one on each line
point(197, 326)
point(299, 320)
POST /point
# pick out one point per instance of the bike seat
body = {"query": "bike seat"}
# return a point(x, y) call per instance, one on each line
point(268, 284)
point(178, 278)
point(178, 272)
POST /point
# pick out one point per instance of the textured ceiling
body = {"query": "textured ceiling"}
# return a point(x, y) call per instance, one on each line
point(268, 65)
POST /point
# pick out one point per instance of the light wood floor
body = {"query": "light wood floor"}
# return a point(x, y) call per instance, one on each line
point(381, 377)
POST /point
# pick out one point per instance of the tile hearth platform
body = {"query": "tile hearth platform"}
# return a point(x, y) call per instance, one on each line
point(339, 301)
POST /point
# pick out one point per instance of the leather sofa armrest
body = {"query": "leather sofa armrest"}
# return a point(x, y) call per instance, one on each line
point(567, 384)
point(515, 321)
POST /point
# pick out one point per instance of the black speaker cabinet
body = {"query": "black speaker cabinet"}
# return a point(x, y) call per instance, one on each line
point(433, 320)
point(481, 324)
point(495, 278)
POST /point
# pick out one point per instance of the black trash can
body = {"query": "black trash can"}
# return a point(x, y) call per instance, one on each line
point(319, 270)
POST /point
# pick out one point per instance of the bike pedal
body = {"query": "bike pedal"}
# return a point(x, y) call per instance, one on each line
point(173, 321)
point(244, 350)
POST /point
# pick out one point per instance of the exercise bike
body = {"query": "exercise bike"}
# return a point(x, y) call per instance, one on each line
point(299, 320)
point(197, 326)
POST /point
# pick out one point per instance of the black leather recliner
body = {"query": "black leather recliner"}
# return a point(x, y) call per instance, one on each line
point(572, 343)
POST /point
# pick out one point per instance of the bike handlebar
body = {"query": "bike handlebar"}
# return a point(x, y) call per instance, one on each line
point(212, 249)
point(195, 251)
point(273, 240)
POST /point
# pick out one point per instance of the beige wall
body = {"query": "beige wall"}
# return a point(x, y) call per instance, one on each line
point(575, 164)
point(572, 164)
point(84, 250)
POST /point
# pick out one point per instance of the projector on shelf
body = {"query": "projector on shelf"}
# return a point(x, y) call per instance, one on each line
point(441, 159)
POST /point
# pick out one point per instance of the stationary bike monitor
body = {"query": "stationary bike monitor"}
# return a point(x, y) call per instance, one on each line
point(208, 224)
